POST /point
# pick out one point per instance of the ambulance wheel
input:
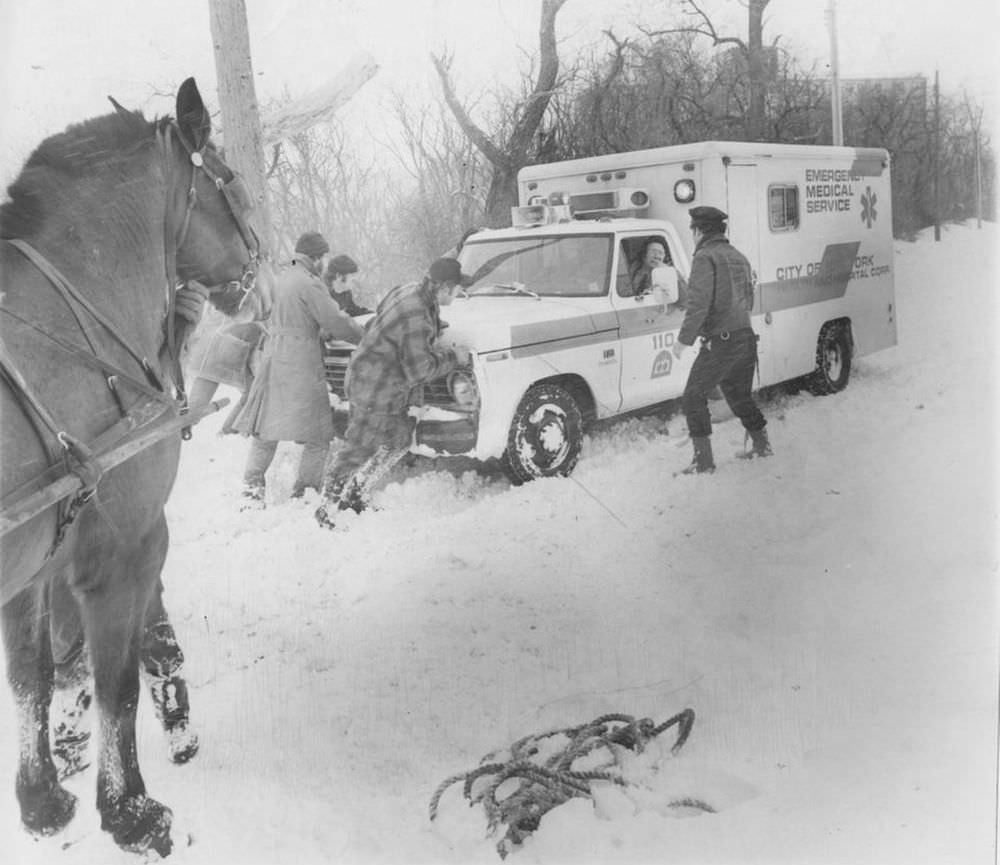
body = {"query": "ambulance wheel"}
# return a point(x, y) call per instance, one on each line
point(545, 436)
point(833, 359)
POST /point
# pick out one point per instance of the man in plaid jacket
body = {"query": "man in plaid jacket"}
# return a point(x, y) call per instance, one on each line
point(397, 354)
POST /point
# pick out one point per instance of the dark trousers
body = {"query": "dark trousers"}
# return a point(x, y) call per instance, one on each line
point(728, 364)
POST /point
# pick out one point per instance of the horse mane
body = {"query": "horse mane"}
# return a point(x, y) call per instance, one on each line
point(82, 149)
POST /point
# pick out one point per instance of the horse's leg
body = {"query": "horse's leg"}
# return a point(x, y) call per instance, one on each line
point(161, 663)
point(70, 715)
point(114, 609)
point(69, 718)
point(45, 806)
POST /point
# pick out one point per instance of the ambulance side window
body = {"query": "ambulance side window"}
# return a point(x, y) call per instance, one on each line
point(630, 259)
point(783, 207)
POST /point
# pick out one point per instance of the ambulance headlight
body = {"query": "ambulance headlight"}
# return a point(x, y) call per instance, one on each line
point(463, 389)
point(684, 191)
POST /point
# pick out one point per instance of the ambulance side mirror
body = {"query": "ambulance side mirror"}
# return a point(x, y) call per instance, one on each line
point(664, 279)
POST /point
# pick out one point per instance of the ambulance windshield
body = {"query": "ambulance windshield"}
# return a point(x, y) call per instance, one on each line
point(576, 265)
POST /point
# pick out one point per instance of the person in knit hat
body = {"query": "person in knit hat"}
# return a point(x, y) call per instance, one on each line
point(399, 351)
point(337, 272)
point(313, 245)
point(288, 400)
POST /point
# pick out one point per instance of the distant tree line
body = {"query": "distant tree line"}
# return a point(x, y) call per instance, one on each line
point(672, 85)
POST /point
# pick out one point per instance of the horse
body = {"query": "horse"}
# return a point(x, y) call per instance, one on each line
point(103, 223)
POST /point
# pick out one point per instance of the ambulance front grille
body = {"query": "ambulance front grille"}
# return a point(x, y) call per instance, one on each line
point(336, 357)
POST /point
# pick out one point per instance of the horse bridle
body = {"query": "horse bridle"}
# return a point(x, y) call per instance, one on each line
point(237, 198)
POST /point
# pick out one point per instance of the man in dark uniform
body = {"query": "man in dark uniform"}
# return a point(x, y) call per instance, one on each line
point(720, 296)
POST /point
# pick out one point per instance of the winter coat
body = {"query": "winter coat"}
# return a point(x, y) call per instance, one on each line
point(398, 351)
point(345, 300)
point(719, 292)
point(640, 279)
point(289, 400)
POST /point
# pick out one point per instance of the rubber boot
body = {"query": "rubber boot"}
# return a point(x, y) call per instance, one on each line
point(252, 497)
point(761, 447)
point(702, 463)
point(259, 460)
point(353, 493)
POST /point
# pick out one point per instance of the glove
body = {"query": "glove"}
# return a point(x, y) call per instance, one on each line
point(678, 348)
point(189, 301)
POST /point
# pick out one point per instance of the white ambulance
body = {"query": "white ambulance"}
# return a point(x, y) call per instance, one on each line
point(560, 337)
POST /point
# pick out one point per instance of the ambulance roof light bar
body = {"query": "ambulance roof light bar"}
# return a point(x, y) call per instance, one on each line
point(529, 215)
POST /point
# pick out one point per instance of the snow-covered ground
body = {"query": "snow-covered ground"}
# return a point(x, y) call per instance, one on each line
point(830, 614)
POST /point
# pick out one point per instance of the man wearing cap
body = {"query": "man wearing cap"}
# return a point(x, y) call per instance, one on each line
point(289, 400)
point(720, 297)
point(397, 354)
point(337, 271)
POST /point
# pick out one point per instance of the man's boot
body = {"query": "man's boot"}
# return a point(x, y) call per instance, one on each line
point(252, 497)
point(703, 463)
point(326, 513)
point(760, 447)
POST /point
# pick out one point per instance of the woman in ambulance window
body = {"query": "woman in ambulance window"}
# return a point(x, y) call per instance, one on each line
point(654, 254)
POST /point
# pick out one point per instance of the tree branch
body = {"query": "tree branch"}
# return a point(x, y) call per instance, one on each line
point(442, 63)
point(548, 71)
point(705, 28)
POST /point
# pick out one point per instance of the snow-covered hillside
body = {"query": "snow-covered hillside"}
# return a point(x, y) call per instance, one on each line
point(830, 614)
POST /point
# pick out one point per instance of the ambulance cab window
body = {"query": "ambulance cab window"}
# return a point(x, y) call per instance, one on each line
point(636, 258)
point(783, 207)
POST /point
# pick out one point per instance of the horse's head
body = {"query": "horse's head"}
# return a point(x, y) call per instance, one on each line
point(207, 235)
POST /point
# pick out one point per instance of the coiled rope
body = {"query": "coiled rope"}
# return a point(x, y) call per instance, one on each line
point(543, 781)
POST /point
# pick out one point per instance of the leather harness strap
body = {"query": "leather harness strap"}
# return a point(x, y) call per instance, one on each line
point(69, 291)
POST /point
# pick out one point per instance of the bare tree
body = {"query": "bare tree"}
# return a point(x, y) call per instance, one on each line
point(448, 182)
point(752, 51)
point(507, 156)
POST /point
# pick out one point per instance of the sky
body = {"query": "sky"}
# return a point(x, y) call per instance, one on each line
point(830, 614)
point(60, 60)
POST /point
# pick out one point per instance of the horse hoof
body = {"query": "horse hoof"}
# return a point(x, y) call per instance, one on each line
point(141, 824)
point(182, 743)
point(47, 811)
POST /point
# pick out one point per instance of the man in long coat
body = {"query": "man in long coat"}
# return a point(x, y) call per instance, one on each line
point(289, 400)
point(399, 352)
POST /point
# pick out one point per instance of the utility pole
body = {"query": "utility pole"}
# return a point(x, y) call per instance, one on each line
point(937, 154)
point(835, 105)
point(241, 128)
point(979, 180)
point(976, 122)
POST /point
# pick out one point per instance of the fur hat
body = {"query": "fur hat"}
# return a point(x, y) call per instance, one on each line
point(313, 244)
